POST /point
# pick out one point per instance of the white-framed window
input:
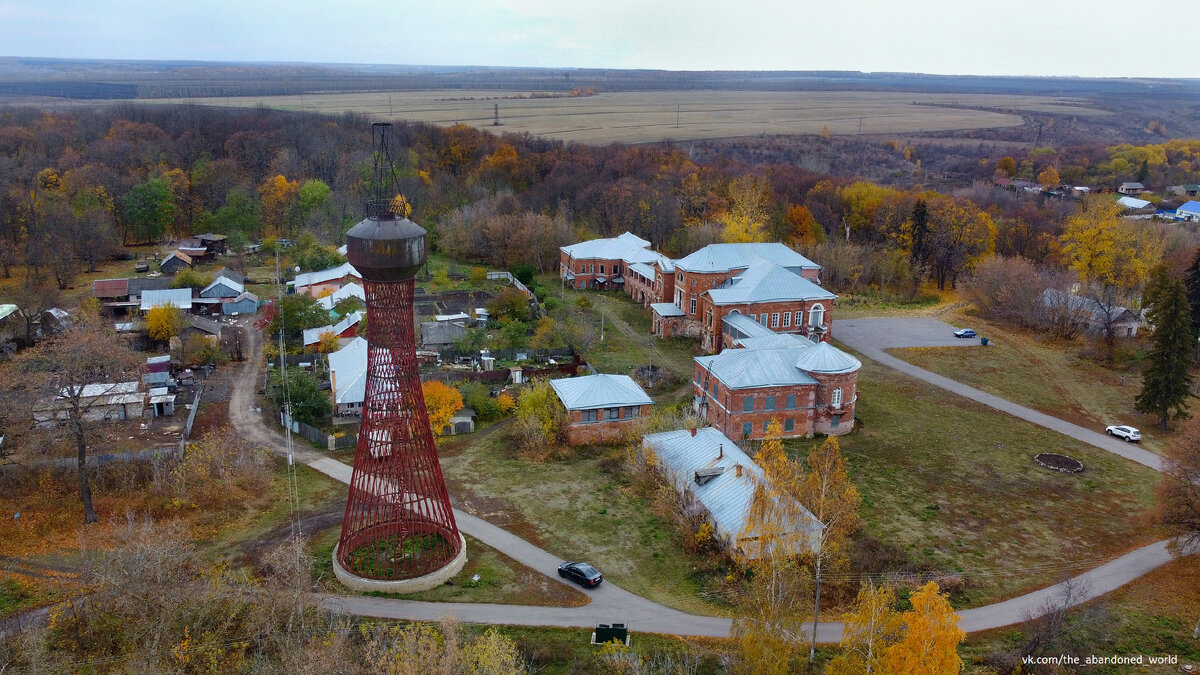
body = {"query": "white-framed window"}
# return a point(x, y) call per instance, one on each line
point(816, 315)
point(787, 319)
point(692, 305)
point(774, 319)
point(708, 316)
point(763, 318)
point(799, 318)
point(835, 399)
point(592, 269)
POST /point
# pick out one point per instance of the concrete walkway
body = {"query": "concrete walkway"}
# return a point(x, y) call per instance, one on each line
point(870, 337)
point(610, 603)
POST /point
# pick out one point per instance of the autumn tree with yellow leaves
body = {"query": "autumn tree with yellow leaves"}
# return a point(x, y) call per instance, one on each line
point(441, 402)
point(929, 637)
point(870, 627)
point(771, 548)
point(279, 197)
point(165, 322)
point(748, 215)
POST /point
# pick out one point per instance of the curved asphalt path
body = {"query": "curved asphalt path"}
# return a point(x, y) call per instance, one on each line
point(610, 603)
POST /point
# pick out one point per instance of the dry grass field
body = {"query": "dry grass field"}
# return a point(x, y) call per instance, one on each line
point(652, 116)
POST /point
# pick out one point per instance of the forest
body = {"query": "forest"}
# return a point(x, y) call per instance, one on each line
point(77, 187)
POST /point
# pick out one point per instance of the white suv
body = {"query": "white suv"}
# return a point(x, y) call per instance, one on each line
point(1130, 434)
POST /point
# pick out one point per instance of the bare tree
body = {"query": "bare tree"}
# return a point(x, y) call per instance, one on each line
point(33, 297)
point(63, 383)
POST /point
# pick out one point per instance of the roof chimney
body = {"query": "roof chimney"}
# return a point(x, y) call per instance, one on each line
point(693, 431)
point(738, 469)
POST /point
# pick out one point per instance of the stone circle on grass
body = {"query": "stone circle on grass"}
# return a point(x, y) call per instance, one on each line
point(1059, 462)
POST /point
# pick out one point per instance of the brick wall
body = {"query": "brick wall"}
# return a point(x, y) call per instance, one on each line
point(726, 411)
point(844, 414)
point(605, 430)
point(713, 340)
point(587, 271)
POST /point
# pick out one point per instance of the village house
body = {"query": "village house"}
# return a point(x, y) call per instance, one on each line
point(1188, 211)
point(807, 388)
point(101, 402)
point(350, 290)
point(601, 408)
point(1133, 189)
point(1190, 190)
point(1091, 315)
point(12, 325)
point(245, 303)
point(213, 243)
point(319, 283)
point(196, 250)
point(175, 262)
point(717, 479)
point(437, 335)
point(220, 291)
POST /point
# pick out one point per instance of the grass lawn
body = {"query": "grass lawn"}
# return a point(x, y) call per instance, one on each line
point(577, 509)
point(502, 580)
point(930, 302)
point(1147, 616)
point(953, 484)
point(1044, 375)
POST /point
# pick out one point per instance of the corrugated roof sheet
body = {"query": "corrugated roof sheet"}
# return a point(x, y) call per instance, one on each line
point(441, 333)
point(727, 496)
point(825, 358)
point(726, 257)
point(612, 248)
point(139, 285)
point(174, 297)
point(349, 368)
point(177, 254)
point(767, 282)
point(110, 288)
point(312, 278)
point(1192, 206)
point(752, 368)
point(231, 274)
point(1133, 202)
point(773, 341)
point(350, 290)
point(6, 310)
point(599, 391)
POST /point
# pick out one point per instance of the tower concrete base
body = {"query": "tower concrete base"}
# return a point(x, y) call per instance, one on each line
point(402, 586)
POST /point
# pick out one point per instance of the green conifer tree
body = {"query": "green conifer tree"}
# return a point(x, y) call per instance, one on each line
point(1166, 382)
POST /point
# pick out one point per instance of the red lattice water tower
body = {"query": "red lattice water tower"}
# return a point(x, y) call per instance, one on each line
point(398, 534)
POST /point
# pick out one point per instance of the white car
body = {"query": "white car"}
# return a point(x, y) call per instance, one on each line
point(1130, 434)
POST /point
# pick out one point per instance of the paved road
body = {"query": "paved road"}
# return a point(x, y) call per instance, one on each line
point(610, 603)
point(870, 337)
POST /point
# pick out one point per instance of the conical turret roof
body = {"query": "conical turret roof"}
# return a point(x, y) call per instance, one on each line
point(825, 358)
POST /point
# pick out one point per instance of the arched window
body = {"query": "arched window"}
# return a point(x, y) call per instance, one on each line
point(835, 400)
point(816, 315)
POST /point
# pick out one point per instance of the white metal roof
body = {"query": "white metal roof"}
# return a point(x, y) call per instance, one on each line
point(165, 358)
point(666, 309)
point(313, 335)
point(173, 297)
point(613, 248)
point(825, 358)
point(348, 366)
point(105, 389)
point(767, 282)
point(7, 309)
point(752, 368)
point(726, 496)
point(350, 290)
point(727, 257)
point(1133, 202)
point(599, 391)
point(311, 278)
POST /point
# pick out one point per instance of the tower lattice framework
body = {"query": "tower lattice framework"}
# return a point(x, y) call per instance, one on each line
point(398, 523)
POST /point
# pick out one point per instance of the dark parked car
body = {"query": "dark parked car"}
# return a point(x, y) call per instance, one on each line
point(581, 573)
point(964, 333)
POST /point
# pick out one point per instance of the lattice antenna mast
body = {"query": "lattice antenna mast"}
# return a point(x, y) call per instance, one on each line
point(384, 183)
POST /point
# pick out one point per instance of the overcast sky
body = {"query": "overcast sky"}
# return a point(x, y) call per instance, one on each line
point(1092, 38)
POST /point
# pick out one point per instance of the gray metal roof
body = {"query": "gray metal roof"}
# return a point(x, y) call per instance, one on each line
point(613, 248)
point(825, 358)
point(350, 290)
point(666, 309)
point(313, 335)
point(320, 277)
point(753, 368)
point(232, 285)
point(726, 496)
point(773, 341)
point(727, 257)
point(767, 282)
point(599, 391)
point(173, 297)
